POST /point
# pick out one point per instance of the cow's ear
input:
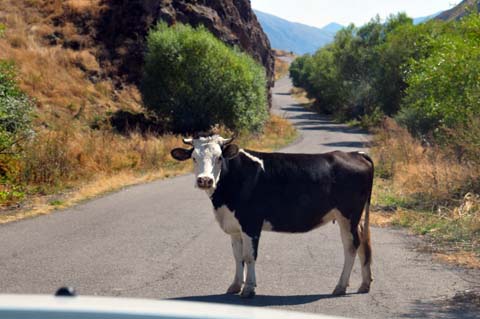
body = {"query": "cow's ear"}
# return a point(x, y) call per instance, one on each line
point(230, 151)
point(181, 154)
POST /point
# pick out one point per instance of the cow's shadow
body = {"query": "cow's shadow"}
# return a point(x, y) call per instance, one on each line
point(260, 300)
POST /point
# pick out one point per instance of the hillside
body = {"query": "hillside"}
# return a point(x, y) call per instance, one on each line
point(425, 19)
point(295, 37)
point(85, 58)
point(460, 10)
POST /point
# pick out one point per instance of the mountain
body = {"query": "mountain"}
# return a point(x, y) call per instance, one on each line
point(300, 38)
point(295, 37)
point(332, 27)
point(425, 19)
point(460, 10)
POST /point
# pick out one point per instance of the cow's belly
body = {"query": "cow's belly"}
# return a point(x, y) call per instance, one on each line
point(297, 223)
point(227, 220)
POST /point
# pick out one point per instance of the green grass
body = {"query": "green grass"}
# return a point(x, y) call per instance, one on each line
point(11, 194)
point(446, 233)
point(57, 202)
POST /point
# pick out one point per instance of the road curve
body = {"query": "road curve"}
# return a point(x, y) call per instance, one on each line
point(160, 240)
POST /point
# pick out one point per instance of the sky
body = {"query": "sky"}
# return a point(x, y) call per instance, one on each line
point(318, 13)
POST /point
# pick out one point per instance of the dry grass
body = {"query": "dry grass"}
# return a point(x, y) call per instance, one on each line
point(301, 96)
point(59, 78)
point(65, 167)
point(81, 6)
point(283, 53)
point(60, 157)
point(424, 172)
point(427, 190)
point(462, 259)
point(43, 205)
point(281, 68)
point(277, 132)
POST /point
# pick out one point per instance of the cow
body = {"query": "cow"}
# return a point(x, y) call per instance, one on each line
point(291, 193)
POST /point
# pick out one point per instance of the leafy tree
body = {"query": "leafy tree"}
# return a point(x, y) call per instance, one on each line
point(443, 86)
point(299, 70)
point(193, 81)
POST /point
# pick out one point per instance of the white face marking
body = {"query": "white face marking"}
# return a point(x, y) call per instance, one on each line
point(227, 221)
point(207, 158)
point(253, 158)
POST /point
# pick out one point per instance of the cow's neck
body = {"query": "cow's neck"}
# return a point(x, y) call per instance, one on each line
point(228, 174)
point(237, 178)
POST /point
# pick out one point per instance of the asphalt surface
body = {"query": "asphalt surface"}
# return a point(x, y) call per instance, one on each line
point(161, 240)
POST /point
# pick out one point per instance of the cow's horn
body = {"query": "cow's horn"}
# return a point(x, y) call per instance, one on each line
point(188, 141)
point(226, 141)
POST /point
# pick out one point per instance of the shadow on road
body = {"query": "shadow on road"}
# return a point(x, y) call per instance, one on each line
point(333, 128)
point(443, 310)
point(260, 300)
point(283, 93)
point(354, 144)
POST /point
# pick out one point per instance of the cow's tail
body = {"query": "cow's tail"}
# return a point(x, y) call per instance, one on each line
point(366, 223)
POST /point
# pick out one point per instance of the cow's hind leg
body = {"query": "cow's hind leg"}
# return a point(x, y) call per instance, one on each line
point(250, 247)
point(237, 283)
point(365, 255)
point(351, 242)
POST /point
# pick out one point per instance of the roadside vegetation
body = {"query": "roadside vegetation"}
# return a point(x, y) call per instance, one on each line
point(282, 66)
point(192, 81)
point(417, 87)
point(58, 141)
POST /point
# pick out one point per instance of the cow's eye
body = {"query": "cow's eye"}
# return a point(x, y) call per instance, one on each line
point(194, 160)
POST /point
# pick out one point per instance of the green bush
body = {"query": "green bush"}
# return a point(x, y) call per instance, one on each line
point(192, 80)
point(15, 110)
point(443, 87)
point(299, 70)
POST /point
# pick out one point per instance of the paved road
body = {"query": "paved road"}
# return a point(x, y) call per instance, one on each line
point(160, 240)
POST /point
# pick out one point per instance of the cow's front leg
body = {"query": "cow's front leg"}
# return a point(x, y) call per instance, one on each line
point(250, 247)
point(236, 286)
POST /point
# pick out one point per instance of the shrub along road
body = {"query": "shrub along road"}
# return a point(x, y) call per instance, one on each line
point(160, 240)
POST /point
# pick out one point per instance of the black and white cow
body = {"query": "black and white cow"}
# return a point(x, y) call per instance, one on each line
point(292, 193)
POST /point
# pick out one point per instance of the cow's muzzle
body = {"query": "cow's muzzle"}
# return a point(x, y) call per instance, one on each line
point(205, 182)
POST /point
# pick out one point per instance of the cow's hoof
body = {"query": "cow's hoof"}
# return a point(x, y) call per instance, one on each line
point(234, 289)
point(364, 289)
point(339, 291)
point(247, 292)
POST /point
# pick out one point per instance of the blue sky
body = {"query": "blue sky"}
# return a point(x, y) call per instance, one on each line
point(318, 13)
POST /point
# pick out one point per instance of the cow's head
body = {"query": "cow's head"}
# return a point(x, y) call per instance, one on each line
point(208, 154)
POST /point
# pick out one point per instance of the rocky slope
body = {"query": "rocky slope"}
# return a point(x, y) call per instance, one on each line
point(460, 10)
point(118, 29)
